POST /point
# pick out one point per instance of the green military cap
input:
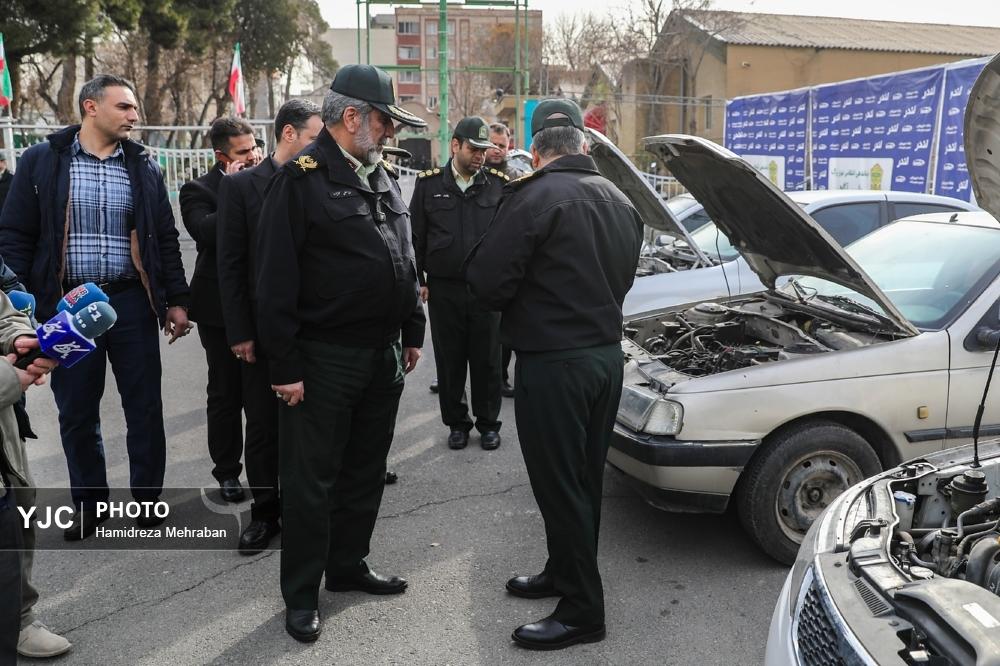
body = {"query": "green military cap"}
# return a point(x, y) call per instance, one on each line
point(373, 85)
point(475, 130)
point(556, 113)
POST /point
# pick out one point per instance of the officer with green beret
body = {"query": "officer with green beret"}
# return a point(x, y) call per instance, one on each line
point(450, 209)
point(339, 318)
point(557, 261)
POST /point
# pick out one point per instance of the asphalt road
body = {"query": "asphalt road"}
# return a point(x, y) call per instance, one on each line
point(680, 589)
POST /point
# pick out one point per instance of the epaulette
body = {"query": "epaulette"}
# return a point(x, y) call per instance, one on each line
point(518, 182)
point(430, 172)
point(389, 169)
point(301, 165)
point(501, 174)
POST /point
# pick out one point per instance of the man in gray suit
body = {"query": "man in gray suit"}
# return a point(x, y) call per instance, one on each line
point(241, 196)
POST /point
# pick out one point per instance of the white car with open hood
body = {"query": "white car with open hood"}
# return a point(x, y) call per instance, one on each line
point(781, 400)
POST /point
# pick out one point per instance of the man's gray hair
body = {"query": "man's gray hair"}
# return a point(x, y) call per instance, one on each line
point(335, 104)
point(559, 141)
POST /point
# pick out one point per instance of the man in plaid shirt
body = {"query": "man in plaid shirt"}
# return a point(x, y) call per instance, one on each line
point(90, 205)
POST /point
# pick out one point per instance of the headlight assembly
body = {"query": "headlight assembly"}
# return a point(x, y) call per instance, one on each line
point(645, 410)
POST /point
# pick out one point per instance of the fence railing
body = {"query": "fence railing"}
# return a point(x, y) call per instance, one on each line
point(181, 164)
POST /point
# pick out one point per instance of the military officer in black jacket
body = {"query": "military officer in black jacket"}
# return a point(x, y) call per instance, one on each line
point(557, 261)
point(339, 317)
point(450, 209)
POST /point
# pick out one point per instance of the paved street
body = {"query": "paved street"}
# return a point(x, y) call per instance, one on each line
point(680, 589)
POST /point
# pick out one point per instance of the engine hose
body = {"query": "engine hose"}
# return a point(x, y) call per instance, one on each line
point(920, 563)
point(980, 559)
point(927, 540)
point(971, 533)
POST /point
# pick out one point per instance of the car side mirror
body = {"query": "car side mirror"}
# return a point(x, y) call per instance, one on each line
point(983, 338)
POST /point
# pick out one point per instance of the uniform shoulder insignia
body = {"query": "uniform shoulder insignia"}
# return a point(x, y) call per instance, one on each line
point(389, 169)
point(518, 182)
point(429, 172)
point(302, 164)
point(500, 174)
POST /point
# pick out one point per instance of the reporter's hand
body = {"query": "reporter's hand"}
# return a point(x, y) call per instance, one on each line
point(25, 377)
point(24, 345)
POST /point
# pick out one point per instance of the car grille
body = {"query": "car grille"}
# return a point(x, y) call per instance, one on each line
point(816, 633)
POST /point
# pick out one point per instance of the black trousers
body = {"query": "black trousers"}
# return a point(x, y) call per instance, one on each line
point(10, 578)
point(505, 354)
point(565, 403)
point(466, 338)
point(333, 448)
point(225, 403)
point(261, 409)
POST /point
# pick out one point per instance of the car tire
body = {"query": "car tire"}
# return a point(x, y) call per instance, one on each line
point(796, 474)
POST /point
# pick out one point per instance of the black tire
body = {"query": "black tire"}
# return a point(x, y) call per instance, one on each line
point(796, 474)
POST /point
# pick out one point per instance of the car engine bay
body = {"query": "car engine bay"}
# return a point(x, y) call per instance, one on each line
point(713, 337)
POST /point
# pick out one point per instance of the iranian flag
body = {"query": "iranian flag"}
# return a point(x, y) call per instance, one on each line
point(236, 90)
point(6, 90)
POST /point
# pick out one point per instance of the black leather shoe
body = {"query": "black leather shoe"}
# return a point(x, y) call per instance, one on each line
point(257, 535)
point(506, 390)
point(549, 634)
point(532, 587)
point(83, 525)
point(232, 491)
point(458, 439)
point(302, 625)
point(369, 582)
point(149, 519)
point(434, 386)
point(490, 440)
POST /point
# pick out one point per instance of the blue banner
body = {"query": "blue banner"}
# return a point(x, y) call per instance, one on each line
point(769, 132)
point(876, 133)
point(952, 175)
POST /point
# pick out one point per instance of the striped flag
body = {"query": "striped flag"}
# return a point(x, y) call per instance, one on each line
point(6, 90)
point(236, 90)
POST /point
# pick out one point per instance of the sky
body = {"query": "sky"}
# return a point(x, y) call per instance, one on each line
point(341, 13)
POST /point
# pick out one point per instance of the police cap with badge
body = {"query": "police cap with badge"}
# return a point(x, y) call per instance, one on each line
point(474, 130)
point(373, 85)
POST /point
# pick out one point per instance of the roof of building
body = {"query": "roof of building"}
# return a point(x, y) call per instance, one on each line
point(846, 33)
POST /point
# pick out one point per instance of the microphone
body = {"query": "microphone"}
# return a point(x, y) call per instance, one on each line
point(23, 302)
point(67, 338)
point(80, 297)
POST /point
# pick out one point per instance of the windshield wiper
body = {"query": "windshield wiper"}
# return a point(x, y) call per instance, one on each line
point(851, 305)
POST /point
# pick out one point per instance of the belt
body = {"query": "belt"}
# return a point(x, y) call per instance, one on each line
point(114, 286)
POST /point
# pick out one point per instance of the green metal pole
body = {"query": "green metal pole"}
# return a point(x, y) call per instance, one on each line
point(357, 13)
point(527, 45)
point(368, 33)
point(518, 117)
point(444, 134)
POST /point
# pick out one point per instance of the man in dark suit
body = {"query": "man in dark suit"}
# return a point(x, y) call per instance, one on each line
point(233, 141)
point(241, 196)
point(6, 177)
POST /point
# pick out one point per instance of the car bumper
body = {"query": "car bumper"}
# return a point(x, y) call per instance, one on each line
point(780, 649)
point(678, 475)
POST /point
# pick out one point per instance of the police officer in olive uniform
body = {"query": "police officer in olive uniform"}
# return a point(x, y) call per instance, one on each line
point(557, 261)
point(340, 320)
point(450, 209)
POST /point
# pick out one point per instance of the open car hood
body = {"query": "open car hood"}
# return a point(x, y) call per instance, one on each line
point(982, 137)
point(774, 235)
point(616, 167)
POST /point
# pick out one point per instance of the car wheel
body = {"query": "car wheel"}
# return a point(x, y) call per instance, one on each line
point(794, 477)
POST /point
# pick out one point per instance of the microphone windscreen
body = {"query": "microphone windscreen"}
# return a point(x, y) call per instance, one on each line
point(95, 319)
point(22, 302)
point(80, 297)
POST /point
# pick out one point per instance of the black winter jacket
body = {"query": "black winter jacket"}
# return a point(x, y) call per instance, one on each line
point(33, 225)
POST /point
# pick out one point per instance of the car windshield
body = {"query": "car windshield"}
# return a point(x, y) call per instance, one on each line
point(930, 271)
point(714, 243)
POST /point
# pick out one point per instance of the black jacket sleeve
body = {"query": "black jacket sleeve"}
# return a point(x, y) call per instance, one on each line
point(171, 264)
point(233, 259)
point(20, 220)
point(418, 224)
point(279, 244)
point(413, 328)
point(497, 262)
point(198, 211)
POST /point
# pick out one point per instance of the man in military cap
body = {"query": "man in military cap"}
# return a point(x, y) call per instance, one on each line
point(340, 321)
point(450, 209)
point(557, 261)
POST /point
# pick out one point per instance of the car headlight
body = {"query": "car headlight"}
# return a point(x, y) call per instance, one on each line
point(645, 410)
